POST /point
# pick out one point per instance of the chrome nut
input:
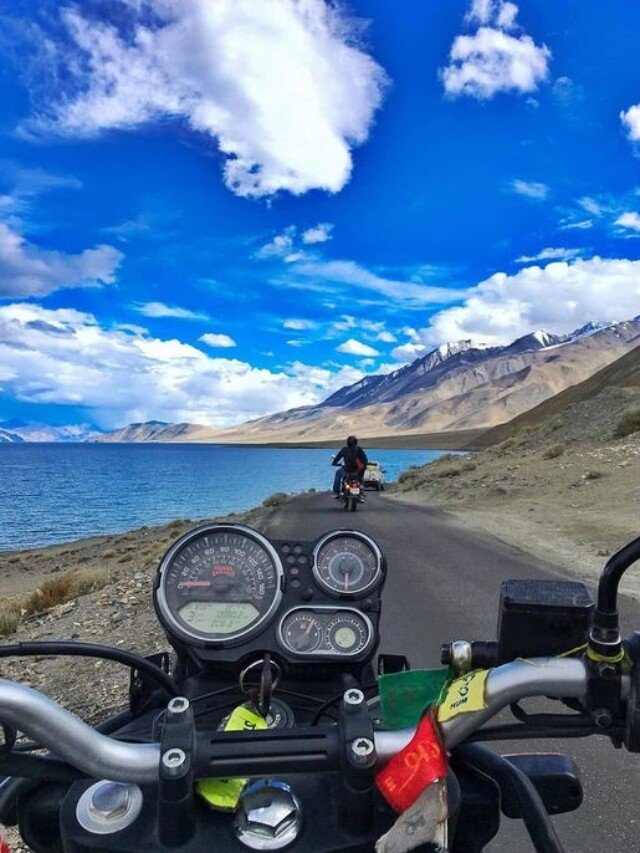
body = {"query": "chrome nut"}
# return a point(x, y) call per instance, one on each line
point(268, 817)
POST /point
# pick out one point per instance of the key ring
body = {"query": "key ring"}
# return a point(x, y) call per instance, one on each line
point(269, 679)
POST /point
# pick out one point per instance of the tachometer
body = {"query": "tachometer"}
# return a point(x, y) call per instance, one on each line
point(219, 584)
point(347, 563)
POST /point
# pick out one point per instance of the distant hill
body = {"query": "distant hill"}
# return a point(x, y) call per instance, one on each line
point(455, 388)
point(150, 431)
point(7, 437)
point(622, 373)
point(15, 430)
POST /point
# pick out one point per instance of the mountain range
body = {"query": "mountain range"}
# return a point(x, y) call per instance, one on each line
point(16, 431)
point(457, 388)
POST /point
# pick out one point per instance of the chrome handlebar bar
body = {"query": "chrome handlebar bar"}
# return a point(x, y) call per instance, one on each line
point(100, 756)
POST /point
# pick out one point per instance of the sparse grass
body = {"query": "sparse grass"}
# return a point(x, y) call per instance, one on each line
point(276, 499)
point(125, 558)
point(448, 473)
point(629, 423)
point(409, 474)
point(554, 451)
point(9, 616)
point(63, 588)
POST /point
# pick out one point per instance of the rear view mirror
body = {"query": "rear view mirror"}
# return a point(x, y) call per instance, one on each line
point(555, 777)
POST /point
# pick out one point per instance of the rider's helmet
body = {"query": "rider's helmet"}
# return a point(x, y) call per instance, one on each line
point(352, 441)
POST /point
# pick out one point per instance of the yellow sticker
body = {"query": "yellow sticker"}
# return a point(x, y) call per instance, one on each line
point(464, 694)
point(225, 793)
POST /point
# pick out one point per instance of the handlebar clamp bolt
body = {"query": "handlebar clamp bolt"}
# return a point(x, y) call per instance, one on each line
point(353, 699)
point(173, 759)
point(362, 751)
point(178, 705)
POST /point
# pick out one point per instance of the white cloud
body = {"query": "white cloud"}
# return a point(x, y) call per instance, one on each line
point(354, 347)
point(386, 337)
point(550, 254)
point(407, 293)
point(581, 225)
point(590, 205)
point(279, 246)
point(409, 351)
point(493, 60)
point(283, 89)
point(158, 310)
point(631, 122)
point(319, 233)
point(629, 220)
point(530, 189)
point(299, 325)
point(221, 341)
point(559, 297)
point(67, 357)
point(28, 270)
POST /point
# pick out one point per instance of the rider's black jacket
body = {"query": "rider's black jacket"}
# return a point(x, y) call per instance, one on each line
point(350, 456)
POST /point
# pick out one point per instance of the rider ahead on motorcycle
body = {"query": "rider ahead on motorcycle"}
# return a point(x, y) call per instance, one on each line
point(354, 463)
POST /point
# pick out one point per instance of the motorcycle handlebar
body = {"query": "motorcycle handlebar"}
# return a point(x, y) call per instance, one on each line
point(310, 749)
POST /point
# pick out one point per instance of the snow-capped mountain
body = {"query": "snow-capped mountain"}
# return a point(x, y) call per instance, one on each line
point(17, 430)
point(456, 386)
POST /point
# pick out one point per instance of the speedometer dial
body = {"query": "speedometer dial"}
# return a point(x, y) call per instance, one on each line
point(219, 584)
point(347, 563)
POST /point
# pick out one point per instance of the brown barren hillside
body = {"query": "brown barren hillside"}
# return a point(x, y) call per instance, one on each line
point(623, 373)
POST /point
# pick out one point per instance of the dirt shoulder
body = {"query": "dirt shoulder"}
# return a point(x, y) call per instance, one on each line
point(564, 490)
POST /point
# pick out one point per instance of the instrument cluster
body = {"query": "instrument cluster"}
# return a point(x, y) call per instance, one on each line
point(223, 590)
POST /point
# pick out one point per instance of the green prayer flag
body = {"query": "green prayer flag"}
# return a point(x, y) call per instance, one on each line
point(405, 696)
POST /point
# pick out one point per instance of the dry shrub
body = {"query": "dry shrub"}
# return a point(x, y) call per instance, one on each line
point(275, 500)
point(554, 451)
point(448, 473)
point(629, 423)
point(63, 588)
point(9, 616)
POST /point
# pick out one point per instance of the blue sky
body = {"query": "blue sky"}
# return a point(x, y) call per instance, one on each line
point(215, 209)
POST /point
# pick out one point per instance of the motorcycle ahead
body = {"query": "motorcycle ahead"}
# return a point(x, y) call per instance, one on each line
point(351, 493)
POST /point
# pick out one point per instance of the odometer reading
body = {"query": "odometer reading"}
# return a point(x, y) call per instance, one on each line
point(219, 584)
point(217, 617)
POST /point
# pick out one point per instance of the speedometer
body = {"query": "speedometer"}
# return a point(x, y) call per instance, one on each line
point(347, 563)
point(219, 584)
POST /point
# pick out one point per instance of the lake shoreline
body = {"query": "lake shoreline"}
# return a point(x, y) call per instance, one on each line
point(461, 440)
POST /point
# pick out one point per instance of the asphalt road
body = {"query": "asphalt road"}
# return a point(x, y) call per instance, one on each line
point(443, 584)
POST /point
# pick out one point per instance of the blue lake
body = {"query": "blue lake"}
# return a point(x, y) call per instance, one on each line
point(58, 492)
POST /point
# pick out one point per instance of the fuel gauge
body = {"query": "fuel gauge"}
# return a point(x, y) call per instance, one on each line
point(301, 632)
